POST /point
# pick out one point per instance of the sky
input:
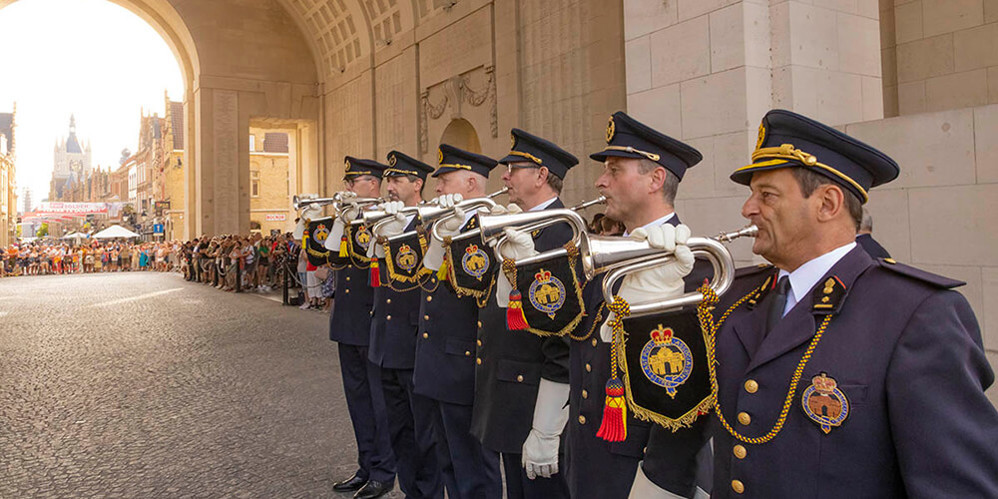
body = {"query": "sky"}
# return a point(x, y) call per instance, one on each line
point(89, 58)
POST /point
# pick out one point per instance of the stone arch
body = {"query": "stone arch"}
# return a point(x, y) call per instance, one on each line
point(462, 134)
point(261, 66)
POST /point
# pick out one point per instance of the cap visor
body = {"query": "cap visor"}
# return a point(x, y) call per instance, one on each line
point(743, 175)
point(602, 155)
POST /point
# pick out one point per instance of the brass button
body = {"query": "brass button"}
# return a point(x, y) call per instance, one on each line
point(467, 353)
point(388, 301)
point(585, 394)
point(737, 486)
point(371, 313)
point(479, 324)
point(644, 450)
point(744, 418)
point(348, 278)
point(426, 317)
point(348, 291)
point(479, 342)
point(594, 342)
point(751, 386)
point(589, 368)
point(739, 451)
point(582, 419)
point(426, 335)
point(388, 317)
point(519, 378)
point(433, 279)
point(478, 361)
point(429, 298)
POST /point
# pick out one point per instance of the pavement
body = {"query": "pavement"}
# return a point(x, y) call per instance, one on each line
point(145, 385)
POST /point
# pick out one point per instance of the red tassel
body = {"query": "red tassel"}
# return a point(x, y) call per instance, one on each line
point(515, 320)
point(614, 426)
point(375, 274)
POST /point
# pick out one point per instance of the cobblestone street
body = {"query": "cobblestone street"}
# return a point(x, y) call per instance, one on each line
point(144, 385)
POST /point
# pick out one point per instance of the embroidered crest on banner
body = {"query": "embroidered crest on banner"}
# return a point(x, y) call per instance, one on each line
point(824, 403)
point(321, 233)
point(666, 360)
point(475, 262)
point(406, 258)
point(363, 237)
point(547, 293)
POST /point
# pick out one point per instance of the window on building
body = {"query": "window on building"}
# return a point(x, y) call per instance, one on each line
point(252, 143)
point(254, 184)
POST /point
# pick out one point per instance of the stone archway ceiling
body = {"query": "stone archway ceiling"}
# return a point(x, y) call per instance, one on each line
point(333, 31)
point(337, 31)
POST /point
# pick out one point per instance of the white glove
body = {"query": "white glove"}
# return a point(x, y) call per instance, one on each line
point(510, 209)
point(665, 281)
point(540, 450)
point(311, 213)
point(519, 245)
point(350, 212)
point(434, 256)
point(388, 228)
point(643, 488)
point(335, 234)
point(299, 229)
point(448, 200)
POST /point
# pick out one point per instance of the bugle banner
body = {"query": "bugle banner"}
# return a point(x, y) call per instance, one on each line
point(315, 238)
point(547, 296)
point(471, 268)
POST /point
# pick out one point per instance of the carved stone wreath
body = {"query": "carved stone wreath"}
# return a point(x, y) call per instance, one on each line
point(456, 91)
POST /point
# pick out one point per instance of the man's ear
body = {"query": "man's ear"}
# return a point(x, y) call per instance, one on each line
point(830, 202)
point(657, 179)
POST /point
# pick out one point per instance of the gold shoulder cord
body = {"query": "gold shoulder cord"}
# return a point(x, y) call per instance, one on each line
point(597, 322)
point(708, 324)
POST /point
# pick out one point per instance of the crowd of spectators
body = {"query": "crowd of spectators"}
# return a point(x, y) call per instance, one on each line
point(260, 262)
point(47, 257)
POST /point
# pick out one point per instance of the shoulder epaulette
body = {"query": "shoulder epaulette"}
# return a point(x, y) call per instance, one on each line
point(760, 278)
point(919, 274)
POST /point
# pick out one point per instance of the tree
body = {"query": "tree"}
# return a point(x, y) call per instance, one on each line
point(43, 230)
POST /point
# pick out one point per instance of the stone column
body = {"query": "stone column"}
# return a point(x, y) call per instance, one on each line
point(707, 71)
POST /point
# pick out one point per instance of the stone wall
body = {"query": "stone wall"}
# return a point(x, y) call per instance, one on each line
point(554, 68)
point(939, 214)
point(706, 72)
point(939, 54)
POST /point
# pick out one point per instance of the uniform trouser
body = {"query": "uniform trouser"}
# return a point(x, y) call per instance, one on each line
point(591, 470)
point(518, 486)
point(366, 403)
point(410, 419)
point(469, 470)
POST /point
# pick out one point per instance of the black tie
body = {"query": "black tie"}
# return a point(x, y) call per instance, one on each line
point(778, 303)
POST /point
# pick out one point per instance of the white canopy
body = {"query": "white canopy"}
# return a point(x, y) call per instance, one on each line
point(115, 231)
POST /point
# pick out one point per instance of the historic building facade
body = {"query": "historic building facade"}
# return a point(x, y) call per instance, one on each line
point(8, 179)
point(71, 162)
point(270, 195)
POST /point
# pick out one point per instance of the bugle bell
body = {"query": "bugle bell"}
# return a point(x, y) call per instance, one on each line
point(710, 249)
point(493, 226)
point(433, 214)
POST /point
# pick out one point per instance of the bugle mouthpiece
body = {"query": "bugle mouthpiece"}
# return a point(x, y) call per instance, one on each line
point(747, 231)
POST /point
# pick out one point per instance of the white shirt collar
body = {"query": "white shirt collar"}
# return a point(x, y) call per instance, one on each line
point(654, 223)
point(807, 275)
point(544, 205)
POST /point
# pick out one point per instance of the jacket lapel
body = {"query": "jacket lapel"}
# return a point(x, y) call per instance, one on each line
point(798, 326)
